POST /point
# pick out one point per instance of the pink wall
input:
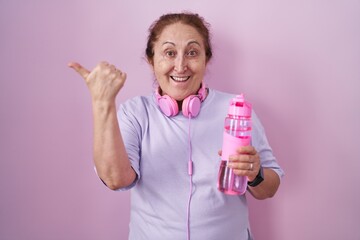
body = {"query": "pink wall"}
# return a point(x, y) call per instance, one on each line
point(297, 61)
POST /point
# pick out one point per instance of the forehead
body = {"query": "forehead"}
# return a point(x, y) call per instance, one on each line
point(179, 32)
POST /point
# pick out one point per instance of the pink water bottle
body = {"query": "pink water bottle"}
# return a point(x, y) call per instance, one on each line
point(237, 133)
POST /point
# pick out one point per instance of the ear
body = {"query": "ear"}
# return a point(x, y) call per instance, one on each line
point(151, 66)
point(150, 61)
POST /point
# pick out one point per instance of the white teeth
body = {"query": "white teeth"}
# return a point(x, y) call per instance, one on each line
point(180, 79)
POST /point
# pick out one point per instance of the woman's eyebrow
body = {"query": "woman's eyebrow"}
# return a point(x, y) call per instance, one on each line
point(195, 42)
point(189, 43)
point(167, 42)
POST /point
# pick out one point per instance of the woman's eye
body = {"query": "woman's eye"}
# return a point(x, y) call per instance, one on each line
point(192, 53)
point(170, 53)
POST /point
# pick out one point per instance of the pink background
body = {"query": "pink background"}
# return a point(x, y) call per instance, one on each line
point(297, 61)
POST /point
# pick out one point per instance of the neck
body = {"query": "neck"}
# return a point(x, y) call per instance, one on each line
point(179, 103)
point(205, 94)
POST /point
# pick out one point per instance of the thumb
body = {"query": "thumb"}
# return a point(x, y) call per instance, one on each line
point(79, 69)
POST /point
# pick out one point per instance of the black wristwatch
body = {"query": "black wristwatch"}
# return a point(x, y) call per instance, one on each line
point(258, 179)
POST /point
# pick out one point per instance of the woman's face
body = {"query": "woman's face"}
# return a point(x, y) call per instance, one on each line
point(179, 61)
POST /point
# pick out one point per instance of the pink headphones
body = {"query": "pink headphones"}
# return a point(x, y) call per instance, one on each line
point(190, 106)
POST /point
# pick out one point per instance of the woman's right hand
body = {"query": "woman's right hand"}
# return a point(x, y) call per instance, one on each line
point(110, 156)
point(104, 81)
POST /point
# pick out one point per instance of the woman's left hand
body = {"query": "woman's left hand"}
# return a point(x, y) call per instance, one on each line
point(246, 162)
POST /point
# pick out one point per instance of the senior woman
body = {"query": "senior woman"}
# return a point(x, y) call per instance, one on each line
point(147, 144)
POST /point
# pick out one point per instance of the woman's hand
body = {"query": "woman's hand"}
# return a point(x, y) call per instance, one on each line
point(245, 163)
point(110, 156)
point(104, 81)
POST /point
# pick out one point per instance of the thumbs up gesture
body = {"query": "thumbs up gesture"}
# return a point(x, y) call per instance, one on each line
point(104, 81)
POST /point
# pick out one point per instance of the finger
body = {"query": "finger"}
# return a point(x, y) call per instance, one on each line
point(246, 150)
point(245, 158)
point(79, 69)
point(113, 68)
point(241, 169)
point(251, 167)
point(104, 63)
point(244, 168)
point(123, 75)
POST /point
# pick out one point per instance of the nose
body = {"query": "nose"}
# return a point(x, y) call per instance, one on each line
point(180, 64)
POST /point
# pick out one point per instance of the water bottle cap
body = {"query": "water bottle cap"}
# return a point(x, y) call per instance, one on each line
point(240, 107)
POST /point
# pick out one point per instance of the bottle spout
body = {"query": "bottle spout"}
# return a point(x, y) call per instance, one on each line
point(240, 107)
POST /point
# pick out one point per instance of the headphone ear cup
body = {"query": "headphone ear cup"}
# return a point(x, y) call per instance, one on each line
point(168, 106)
point(191, 106)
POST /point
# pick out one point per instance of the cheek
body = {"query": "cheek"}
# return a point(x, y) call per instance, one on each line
point(198, 66)
point(162, 66)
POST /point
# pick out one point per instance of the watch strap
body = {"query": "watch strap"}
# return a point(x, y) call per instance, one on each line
point(258, 179)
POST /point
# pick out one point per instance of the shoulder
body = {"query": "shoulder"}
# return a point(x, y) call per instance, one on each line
point(218, 100)
point(137, 107)
point(219, 96)
point(136, 103)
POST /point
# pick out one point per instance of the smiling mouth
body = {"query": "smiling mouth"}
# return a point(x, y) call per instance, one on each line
point(180, 79)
